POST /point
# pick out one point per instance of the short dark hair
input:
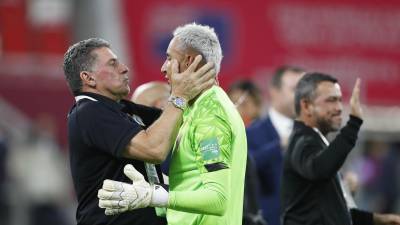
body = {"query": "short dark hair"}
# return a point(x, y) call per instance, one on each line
point(78, 58)
point(276, 80)
point(307, 86)
point(249, 87)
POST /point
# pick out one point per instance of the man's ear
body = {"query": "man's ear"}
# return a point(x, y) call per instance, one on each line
point(87, 79)
point(306, 106)
point(188, 60)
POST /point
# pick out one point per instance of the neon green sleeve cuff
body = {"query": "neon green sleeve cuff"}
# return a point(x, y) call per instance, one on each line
point(211, 199)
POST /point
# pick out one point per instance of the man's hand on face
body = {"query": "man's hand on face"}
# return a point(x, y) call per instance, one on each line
point(118, 197)
point(190, 82)
point(355, 105)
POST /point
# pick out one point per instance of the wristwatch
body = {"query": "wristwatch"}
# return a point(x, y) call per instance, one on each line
point(178, 102)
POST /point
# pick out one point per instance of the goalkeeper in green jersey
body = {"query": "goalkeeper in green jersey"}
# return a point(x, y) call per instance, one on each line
point(206, 175)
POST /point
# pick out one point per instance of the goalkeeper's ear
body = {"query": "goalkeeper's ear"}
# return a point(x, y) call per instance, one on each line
point(132, 173)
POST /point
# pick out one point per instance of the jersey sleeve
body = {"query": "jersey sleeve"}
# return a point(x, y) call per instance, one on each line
point(212, 143)
point(211, 199)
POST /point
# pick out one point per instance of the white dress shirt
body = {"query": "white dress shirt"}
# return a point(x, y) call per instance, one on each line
point(282, 123)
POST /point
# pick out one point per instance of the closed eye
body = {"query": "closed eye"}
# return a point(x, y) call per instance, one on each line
point(334, 99)
point(113, 62)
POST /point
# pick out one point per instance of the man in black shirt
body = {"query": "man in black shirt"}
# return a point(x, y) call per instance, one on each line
point(312, 192)
point(106, 132)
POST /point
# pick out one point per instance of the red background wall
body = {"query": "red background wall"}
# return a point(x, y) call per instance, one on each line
point(347, 38)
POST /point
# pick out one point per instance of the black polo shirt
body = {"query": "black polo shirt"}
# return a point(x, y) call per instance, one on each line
point(98, 131)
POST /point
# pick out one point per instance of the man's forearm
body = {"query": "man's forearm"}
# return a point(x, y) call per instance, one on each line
point(154, 144)
point(165, 129)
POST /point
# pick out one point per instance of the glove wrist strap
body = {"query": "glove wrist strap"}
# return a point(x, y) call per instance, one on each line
point(159, 197)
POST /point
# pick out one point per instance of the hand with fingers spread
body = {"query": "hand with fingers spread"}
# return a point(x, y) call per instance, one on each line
point(192, 82)
point(355, 105)
point(118, 197)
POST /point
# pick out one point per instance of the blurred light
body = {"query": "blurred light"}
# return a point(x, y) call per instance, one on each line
point(49, 12)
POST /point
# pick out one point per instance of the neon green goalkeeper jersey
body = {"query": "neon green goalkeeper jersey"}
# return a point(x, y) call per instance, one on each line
point(208, 164)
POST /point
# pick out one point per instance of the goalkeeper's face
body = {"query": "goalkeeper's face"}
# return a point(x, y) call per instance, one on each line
point(184, 56)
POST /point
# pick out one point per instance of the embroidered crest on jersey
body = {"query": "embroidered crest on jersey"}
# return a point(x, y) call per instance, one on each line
point(209, 148)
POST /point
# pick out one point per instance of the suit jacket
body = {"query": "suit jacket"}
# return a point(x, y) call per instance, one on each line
point(311, 190)
point(264, 146)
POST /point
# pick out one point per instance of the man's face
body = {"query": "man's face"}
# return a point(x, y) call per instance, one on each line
point(326, 107)
point(284, 97)
point(174, 51)
point(111, 76)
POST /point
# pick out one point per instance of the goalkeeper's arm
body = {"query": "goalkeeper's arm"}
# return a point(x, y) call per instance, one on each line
point(117, 197)
point(210, 199)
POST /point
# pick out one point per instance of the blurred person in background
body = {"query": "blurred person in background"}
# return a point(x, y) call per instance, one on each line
point(267, 139)
point(390, 180)
point(37, 165)
point(369, 166)
point(208, 162)
point(247, 98)
point(351, 180)
point(4, 200)
point(106, 132)
point(379, 169)
point(153, 94)
point(312, 190)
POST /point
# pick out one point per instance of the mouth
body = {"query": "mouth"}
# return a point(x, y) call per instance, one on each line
point(166, 78)
point(337, 118)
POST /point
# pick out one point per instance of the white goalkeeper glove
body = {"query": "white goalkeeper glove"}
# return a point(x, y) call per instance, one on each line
point(118, 197)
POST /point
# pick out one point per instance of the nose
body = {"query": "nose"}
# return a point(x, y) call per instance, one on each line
point(339, 107)
point(164, 68)
point(124, 69)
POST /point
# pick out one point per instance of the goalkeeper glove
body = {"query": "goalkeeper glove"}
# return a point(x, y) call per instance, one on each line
point(118, 197)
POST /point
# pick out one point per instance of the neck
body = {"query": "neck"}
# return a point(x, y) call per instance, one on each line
point(307, 121)
point(106, 94)
point(312, 123)
point(193, 100)
point(281, 110)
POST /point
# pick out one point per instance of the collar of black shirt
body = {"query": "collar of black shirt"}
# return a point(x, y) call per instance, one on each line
point(103, 99)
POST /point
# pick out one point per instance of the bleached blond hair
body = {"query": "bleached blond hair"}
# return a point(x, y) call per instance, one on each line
point(203, 39)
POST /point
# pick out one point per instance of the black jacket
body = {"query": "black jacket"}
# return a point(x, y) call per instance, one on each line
point(311, 192)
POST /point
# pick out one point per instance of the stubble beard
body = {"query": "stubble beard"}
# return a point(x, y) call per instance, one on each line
point(326, 125)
